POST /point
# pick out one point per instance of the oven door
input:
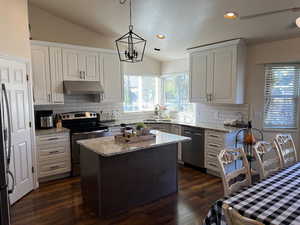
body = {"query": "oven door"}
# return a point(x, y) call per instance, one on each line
point(75, 148)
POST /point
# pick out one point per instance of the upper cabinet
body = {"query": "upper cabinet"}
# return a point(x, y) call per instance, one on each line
point(47, 75)
point(112, 77)
point(80, 65)
point(53, 63)
point(56, 71)
point(217, 73)
point(41, 75)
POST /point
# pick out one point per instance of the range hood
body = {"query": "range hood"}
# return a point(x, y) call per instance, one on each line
point(83, 88)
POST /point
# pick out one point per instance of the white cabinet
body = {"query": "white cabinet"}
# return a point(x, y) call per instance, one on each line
point(57, 89)
point(53, 63)
point(80, 65)
point(41, 74)
point(47, 75)
point(111, 77)
point(164, 127)
point(54, 157)
point(214, 143)
point(217, 73)
point(200, 68)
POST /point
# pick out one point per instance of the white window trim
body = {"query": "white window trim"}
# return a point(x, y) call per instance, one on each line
point(281, 129)
point(158, 93)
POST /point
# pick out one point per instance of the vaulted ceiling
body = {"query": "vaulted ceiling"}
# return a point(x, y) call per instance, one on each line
point(186, 23)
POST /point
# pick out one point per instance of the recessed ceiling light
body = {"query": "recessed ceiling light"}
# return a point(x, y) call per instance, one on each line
point(231, 15)
point(157, 49)
point(160, 36)
point(298, 22)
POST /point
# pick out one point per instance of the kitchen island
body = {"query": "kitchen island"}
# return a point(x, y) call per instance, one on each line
point(116, 177)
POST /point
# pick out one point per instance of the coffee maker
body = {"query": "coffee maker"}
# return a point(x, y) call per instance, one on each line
point(44, 119)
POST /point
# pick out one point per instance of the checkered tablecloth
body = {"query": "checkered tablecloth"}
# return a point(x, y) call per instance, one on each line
point(275, 200)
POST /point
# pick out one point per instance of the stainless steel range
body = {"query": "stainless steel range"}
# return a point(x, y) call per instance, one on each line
point(82, 125)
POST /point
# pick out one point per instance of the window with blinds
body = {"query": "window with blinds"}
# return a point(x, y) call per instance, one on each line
point(281, 95)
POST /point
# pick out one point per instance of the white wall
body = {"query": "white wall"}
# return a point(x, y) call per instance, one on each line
point(14, 37)
point(149, 66)
point(258, 55)
point(48, 27)
point(175, 66)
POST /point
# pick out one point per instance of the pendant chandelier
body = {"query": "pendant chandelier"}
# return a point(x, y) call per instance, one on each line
point(130, 46)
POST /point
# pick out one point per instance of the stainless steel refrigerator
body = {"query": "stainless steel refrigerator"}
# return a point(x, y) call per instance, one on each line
point(5, 153)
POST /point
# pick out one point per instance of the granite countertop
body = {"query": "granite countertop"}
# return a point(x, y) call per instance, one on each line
point(212, 126)
point(51, 131)
point(106, 146)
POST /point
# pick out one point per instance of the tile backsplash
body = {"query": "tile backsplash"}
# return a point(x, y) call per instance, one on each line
point(87, 103)
point(204, 112)
point(219, 113)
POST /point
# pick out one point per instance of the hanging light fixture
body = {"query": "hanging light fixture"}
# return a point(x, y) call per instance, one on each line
point(130, 46)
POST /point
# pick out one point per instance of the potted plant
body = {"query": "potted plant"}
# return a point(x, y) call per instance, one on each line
point(141, 129)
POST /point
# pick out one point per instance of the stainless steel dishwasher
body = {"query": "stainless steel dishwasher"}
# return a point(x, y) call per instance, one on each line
point(193, 151)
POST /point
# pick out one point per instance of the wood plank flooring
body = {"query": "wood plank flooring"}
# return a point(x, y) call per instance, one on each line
point(60, 203)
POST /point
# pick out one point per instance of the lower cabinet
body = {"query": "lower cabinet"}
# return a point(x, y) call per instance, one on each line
point(214, 143)
point(169, 128)
point(54, 157)
point(176, 129)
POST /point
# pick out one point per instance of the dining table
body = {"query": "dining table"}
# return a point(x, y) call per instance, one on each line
point(272, 201)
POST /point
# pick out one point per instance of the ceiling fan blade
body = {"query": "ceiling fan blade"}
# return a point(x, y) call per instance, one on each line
point(269, 13)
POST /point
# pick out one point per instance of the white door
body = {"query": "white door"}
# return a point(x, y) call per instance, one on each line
point(57, 89)
point(91, 72)
point(112, 78)
point(73, 64)
point(224, 75)
point(13, 75)
point(41, 75)
point(200, 75)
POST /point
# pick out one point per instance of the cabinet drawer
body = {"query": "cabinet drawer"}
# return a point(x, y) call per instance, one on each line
point(211, 151)
point(50, 139)
point(54, 168)
point(212, 164)
point(213, 145)
point(57, 156)
point(45, 146)
point(215, 134)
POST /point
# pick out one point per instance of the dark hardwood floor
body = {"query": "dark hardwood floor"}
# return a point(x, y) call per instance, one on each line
point(60, 203)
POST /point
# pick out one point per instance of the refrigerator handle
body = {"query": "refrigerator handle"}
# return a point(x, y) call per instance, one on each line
point(13, 182)
point(9, 124)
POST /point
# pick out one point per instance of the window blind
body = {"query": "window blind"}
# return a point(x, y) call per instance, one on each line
point(281, 95)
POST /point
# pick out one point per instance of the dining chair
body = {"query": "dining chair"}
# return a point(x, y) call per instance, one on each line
point(234, 170)
point(286, 147)
point(267, 157)
point(234, 218)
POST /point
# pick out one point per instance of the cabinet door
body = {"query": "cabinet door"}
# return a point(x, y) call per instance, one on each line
point(41, 75)
point(73, 64)
point(224, 78)
point(112, 78)
point(91, 72)
point(200, 65)
point(57, 90)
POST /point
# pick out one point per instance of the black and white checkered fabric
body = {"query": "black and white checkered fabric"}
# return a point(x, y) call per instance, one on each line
point(275, 200)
